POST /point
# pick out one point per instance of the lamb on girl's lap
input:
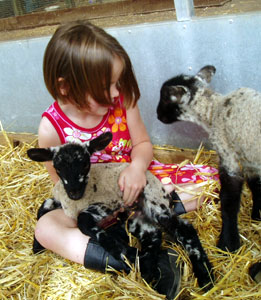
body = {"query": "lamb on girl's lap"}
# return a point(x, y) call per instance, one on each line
point(90, 193)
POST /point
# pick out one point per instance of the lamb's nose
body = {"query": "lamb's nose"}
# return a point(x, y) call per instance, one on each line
point(163, 119)
point(75, 195)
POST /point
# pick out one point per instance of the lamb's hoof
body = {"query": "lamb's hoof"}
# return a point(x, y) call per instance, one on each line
point(204, 274)
point(229, 246)
point(131, 254)
point(37, 247)
point(256, 215)
point(206, 282)
point(168, 281)
point(255, 272)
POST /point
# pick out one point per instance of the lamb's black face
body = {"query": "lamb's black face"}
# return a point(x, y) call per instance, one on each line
point(72, 164)
point(168, 111)
point(172, 95)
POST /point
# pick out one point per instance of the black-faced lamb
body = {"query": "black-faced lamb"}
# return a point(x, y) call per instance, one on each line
point(91, 193)
point(233, 123)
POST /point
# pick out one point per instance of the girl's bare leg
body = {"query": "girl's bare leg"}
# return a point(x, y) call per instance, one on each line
point(59, 233)
point(189, 194)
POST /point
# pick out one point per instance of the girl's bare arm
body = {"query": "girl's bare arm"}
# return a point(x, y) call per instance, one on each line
point(48, 137)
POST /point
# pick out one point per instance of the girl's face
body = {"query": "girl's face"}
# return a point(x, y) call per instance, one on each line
point(100, 110)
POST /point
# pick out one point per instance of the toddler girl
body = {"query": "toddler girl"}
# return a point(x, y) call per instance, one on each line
point(90, 76)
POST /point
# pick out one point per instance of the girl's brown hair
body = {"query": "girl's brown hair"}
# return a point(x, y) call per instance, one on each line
point(83, 54)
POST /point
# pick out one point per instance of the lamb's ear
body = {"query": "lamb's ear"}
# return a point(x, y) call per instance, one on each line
point(179, 94)
point(206, 73)
point(41, 154)
point(100, 142)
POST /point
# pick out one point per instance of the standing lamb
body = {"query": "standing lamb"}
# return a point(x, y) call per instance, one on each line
point(234, 127)
point(91, 193)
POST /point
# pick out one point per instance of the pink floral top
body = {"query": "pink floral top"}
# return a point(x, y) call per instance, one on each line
point(120, 147)
point(114, 121)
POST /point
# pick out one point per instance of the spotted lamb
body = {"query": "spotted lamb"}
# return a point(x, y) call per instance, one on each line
point(234, 127)
point(91, 194)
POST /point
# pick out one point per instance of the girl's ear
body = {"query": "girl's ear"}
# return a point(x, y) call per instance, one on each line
point(63, 87)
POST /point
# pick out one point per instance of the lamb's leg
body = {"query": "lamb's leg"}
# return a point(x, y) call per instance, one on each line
point(184, 233)
point(150, 239)
point(110, 240)
point(230, 195)
point(254, 184)
point(158, 266)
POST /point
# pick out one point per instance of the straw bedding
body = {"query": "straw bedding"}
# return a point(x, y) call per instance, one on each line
point(24, 186)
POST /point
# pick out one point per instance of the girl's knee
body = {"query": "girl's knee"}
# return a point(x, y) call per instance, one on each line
point(52, 226)
point(59, 233)
point(42, 231)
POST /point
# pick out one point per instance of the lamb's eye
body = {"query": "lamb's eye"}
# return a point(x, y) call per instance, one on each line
point(78, 156)
point(81, 178)
point(173, 98)
point(64, 181)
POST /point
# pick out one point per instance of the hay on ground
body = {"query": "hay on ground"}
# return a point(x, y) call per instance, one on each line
point(25, 185)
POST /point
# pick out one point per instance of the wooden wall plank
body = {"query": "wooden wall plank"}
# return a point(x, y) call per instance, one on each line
point(16, 138)
point(104, 10)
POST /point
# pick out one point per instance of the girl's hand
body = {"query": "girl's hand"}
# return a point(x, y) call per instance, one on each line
point(132, 181)
point(133, 178)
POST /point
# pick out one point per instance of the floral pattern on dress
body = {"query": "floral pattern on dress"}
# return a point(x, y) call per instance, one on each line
point(122, 145)
point(75, 135)
point(118, 120)
point(100, 157)
point(55, 115)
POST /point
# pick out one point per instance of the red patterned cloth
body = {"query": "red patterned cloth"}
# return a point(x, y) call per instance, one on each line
point(173, 173)
point(120, 147)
